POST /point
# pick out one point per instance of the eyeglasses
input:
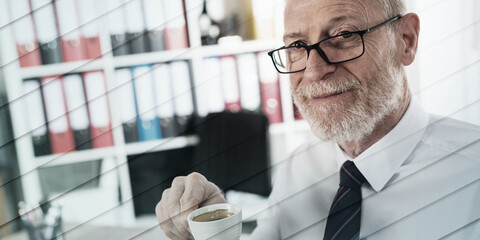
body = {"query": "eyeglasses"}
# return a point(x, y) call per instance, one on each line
point(344, 47)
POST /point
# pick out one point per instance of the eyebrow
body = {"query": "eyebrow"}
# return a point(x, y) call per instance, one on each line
point(330, 23)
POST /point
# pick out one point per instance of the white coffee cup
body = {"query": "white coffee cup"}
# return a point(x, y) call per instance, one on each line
point(229, 228)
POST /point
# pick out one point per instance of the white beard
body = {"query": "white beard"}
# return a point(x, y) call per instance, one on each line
point(355, 116)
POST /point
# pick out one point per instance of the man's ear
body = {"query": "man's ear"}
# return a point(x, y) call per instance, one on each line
point(409, 28)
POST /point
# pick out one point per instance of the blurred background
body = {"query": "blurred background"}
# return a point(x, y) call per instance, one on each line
point(103, 103)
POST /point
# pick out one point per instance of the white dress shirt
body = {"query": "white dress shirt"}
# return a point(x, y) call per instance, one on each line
point(423, 183)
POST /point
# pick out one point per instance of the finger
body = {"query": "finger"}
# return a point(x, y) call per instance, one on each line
point(176, 193)
point(166, 222)
point(162, 216)
point(193, 195)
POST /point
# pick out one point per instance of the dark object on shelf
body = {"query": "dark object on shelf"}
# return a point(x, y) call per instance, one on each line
point(234, 152)
point(209, 28)
point(170, 127)
point(83, 175)
point(138, 42)
point(120, 44)
point(83, 139)
point(156, 40)
point(152, 173)
point(130, 131)
point(51, 52)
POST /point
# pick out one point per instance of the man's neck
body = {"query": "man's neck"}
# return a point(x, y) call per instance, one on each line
point(355, 148)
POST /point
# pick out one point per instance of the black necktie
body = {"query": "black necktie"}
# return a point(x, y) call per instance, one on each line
point(344, 217)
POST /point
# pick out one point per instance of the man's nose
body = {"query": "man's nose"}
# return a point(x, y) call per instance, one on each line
point(317, 67)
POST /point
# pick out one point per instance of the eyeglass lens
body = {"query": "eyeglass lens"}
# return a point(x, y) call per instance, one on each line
point(337, 49)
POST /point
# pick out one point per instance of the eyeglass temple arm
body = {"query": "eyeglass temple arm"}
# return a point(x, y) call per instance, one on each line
point(384, 23)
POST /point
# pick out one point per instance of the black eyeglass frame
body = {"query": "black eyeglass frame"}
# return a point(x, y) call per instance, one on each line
point(316, 46)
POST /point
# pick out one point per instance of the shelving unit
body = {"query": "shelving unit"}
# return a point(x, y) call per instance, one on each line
point(117, 154)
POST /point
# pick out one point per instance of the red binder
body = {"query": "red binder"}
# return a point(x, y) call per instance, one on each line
point(89, 28)
point(68, 25)
point(60, 132)
point(176, 30)
point(101, 128)
point(231, 91)
point(270, 89)
point(92, 47)
point(27, 46)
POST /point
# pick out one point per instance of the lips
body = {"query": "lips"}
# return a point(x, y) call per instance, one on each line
point(327, 95)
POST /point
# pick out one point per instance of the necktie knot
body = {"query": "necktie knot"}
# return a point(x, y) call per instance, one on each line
point(350, 176)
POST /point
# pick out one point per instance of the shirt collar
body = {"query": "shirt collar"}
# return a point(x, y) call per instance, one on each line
point(381, 161)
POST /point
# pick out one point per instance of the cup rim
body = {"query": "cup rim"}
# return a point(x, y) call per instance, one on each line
point(214, 207)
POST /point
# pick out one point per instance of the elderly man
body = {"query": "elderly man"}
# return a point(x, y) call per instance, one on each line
point(382, 168)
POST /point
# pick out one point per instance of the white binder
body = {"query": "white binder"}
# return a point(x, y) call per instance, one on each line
point(76, 103)
point(230, 83)
point(182, 88)
point(248, 81)
point(163, 91)
point(213, 84)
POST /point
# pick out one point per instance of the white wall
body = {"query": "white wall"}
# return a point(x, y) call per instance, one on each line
point(446, 73)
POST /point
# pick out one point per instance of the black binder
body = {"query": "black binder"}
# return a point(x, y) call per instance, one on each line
point(130, 131)
point(170, 127)
point(47, 32)
point(83, 139)
point(136, 32)
point(120, 44)
point(41, 145)
point(138, 42)
point(155, 24)
point(183, 98)
point(164, 100)
point(156, 40)
point(123, 93)
point(38, 123)
point(51, 52)
point(118, 37)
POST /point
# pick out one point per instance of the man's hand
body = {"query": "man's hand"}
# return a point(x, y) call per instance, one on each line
point(185, 195)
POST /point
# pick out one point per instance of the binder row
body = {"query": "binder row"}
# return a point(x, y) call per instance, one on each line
point(68, 30)
point(156, 100)
point(68, 113)
point(235, 82)
point(71, 112)
point(140, 26)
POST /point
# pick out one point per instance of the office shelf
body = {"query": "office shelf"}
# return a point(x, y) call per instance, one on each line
point(239, 47)
point(74, 157)
point(13, 76)
point(152, 57)
point(61, 68)
point(161, 145)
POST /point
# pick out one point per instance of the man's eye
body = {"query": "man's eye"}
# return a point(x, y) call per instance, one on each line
point(298, 44)
point(345, 34)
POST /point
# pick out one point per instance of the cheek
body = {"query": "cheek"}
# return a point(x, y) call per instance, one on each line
point(295, 79)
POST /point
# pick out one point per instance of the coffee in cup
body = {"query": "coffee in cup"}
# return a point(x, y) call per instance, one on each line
point(213, 215)
point(216, 222)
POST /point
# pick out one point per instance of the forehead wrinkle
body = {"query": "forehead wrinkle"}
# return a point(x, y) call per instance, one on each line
point(306, 9)
point(315, 28)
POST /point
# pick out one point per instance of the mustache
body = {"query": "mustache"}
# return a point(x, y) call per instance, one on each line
point(329, 86)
